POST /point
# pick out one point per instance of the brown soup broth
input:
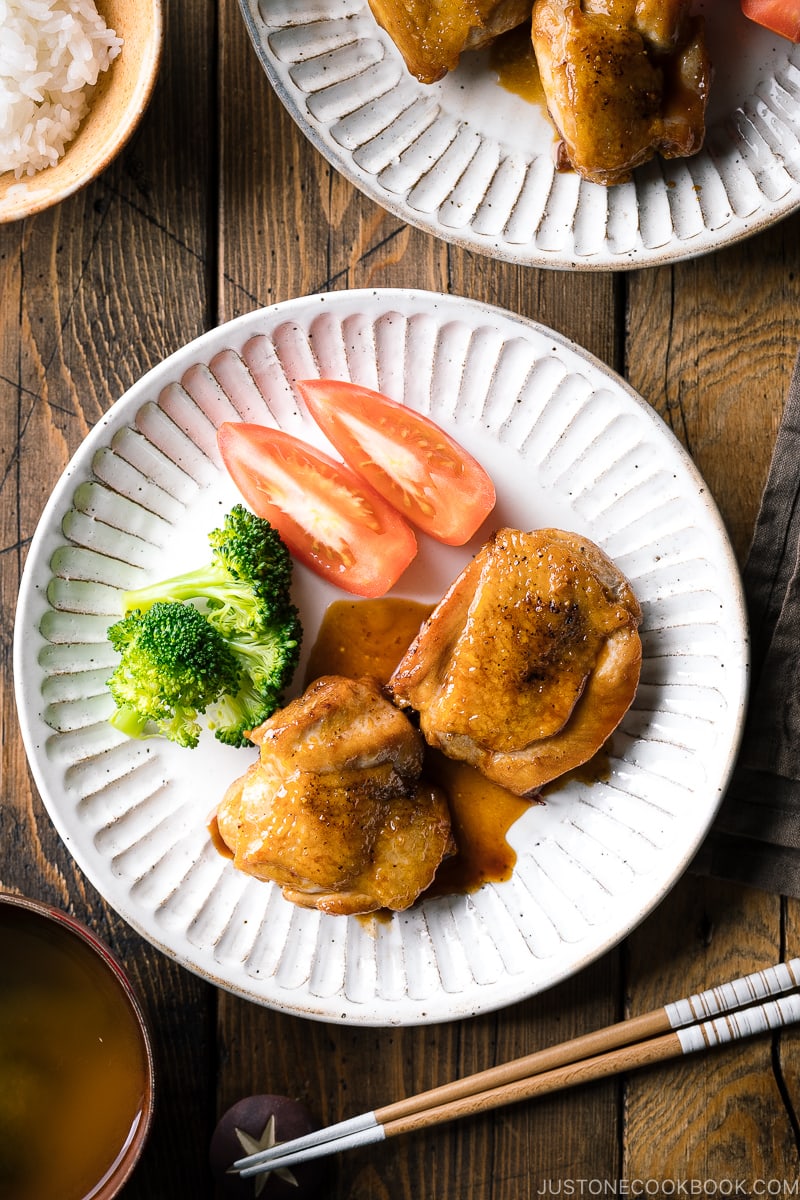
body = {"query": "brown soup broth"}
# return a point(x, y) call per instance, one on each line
point(73, 1071)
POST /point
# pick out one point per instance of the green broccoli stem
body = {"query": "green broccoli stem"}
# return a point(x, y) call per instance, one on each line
point(130, 722)
point(209, 582)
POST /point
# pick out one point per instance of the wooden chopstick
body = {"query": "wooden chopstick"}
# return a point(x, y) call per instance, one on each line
point(722, 1014)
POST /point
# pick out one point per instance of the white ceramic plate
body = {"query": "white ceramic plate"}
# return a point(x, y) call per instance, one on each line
point(470, 162)
point(568, 444)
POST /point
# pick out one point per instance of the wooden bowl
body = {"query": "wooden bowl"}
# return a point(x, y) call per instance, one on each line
point(120, 98)
point(75, 1057)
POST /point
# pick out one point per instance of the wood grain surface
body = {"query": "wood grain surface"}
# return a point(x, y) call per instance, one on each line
point(219, 206)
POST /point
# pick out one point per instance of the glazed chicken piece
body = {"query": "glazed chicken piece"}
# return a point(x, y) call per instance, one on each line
point(623, 80)
point(334, 811)
point(431, 34)
point(529, 661)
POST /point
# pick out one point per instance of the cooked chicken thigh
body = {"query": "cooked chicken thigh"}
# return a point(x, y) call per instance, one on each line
point(529, 661)
point(334, 810)
point(431, 34)
point(623, 80)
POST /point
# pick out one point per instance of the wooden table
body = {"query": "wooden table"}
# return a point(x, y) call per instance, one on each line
point(218, 207)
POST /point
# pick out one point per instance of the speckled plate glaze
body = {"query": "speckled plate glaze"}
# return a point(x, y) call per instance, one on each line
point(568, 444)
point(468, 161)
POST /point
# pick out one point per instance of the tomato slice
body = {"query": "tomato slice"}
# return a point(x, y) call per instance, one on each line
point(405, 456)
point(781, 16)
point(329, 518)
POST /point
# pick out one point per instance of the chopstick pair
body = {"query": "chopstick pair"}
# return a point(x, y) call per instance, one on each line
point(756, 1003)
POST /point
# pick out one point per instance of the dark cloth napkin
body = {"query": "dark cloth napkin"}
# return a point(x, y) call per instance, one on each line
point(756, 837)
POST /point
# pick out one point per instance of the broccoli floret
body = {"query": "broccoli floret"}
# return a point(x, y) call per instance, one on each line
point(267, 664)
point(242, 597)
point(245, 585)
point(173, 664)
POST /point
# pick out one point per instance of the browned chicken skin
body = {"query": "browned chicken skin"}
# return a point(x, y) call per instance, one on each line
point(529, 661)
point(623, 79)
point(334, 810)
point(431, 34)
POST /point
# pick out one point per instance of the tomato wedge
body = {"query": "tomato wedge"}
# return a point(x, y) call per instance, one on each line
point(329, 518)
point(405, 456)
point(781, 16)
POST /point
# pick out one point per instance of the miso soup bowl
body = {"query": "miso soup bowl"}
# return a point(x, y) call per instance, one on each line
point(75, 1058)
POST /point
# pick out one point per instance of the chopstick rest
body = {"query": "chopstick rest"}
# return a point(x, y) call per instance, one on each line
point(753, 1004)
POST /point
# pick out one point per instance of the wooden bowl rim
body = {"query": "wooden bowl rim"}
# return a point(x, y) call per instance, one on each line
point(84, 157)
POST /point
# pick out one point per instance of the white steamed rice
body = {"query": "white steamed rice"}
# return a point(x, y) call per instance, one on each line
point(51, 52)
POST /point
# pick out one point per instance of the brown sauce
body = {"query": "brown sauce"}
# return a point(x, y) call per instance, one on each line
point(595, 770)
point(482, 814)
point(217, 841)
point(512, 57)
point(365, 637)
point(369, 637)
point(73, 1068)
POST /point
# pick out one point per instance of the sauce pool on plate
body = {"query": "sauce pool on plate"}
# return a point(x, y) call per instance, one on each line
point(512, 57)
point(365, 637)
point(482, 813)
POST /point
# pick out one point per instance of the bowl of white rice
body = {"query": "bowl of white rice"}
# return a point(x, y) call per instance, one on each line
point(75, 78)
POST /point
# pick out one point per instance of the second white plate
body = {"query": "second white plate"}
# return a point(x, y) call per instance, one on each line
point(568, 444)
point(470, 162)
